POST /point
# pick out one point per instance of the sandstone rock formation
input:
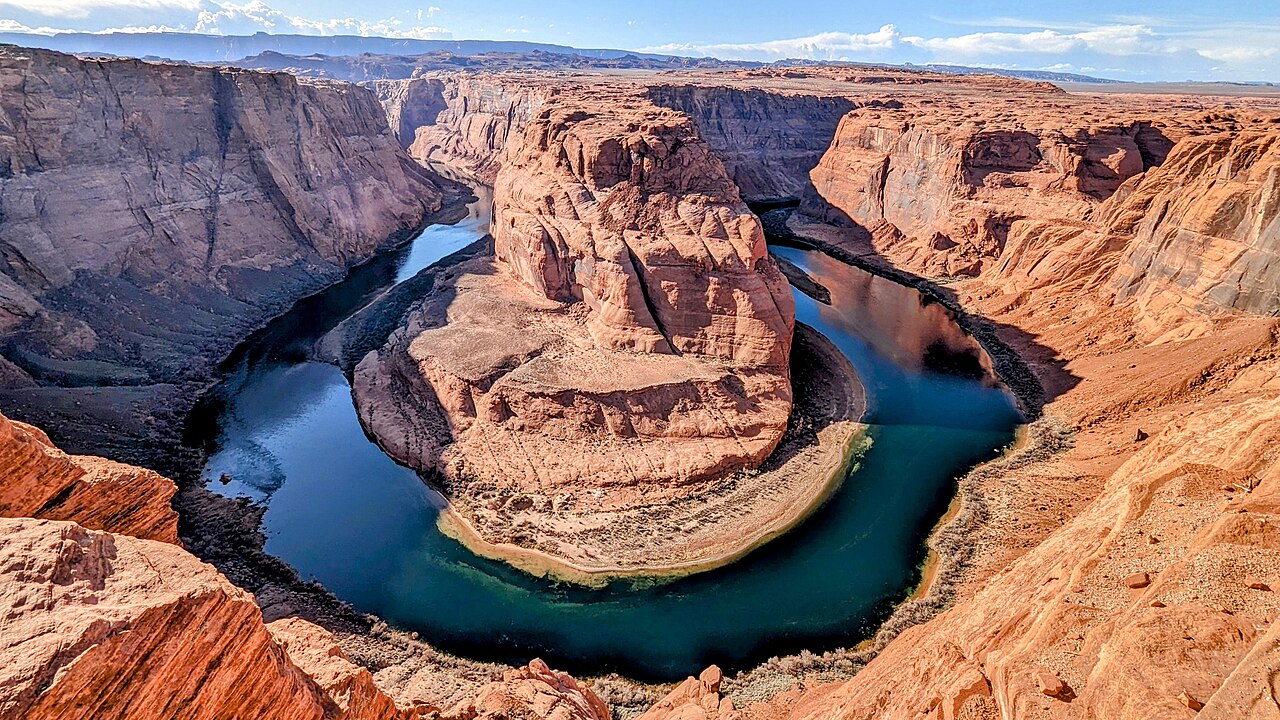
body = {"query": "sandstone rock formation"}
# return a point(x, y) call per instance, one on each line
point(767, 140)
point(534, 692)
point(695, 699)
point(350, 687)
point(938, 188)
point(153, 215)
point(1115, 578)
point(104, 625)
point(629, 346)
point(1121, 654)
point(1207, 234)
point(41, 481)
point(462, 120)
point(108, 626)
point(1136, 280)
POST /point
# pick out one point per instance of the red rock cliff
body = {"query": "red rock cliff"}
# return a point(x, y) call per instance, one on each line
point(936, 186)
point(41, 481)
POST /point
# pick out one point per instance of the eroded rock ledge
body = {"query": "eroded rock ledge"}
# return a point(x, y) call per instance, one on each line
point(1129, 573)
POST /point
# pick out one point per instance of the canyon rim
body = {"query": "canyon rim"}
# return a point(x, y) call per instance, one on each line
point(349, 376)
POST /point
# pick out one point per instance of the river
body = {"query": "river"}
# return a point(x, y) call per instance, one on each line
point(340, 511)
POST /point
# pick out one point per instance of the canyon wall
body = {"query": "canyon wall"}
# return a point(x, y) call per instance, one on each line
point(1182, 243)
point(1206, 227)
point(1130, 573)
point(464, 120)
point(153, 215)
point(768, 141)
point(1028, 195)
point(936, 186)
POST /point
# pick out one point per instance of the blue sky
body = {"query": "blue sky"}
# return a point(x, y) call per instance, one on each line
point(1154, 40)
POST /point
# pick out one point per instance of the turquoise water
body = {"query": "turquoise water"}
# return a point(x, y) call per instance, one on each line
point(341, 512)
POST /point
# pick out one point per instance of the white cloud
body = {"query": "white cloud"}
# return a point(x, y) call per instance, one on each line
point(1107, 39)
point(824, 46)
point(1133, 47)
point(257, 16)
point(219, 18)
point(82, 8)
point(13, 26)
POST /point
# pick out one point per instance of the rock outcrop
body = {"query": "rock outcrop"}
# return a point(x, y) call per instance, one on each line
point(1206, 227)
point(695, 699)
point(533, 692)
point(109, 626)
point(628, 345)
point(936, 187)
point(153, 215)
point(41, 481)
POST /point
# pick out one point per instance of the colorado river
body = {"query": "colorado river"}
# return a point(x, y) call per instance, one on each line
point(341, 512)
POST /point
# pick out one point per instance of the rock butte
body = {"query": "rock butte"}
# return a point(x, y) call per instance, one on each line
point(626, 349)
point(632, 305)
point(1126, 253)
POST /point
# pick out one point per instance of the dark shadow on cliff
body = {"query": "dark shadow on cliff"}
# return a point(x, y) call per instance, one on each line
point(1032, 371)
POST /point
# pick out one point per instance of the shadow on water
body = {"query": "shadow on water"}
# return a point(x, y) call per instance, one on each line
point(283, 432)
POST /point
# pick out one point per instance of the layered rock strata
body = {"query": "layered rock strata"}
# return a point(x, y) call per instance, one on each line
point(110, 626)
point(1205, 227)
point(1128, 573)
point(106, 625)
point(768, 141)
point(462, 120)
point(628, 347)
point(41, 481)
point(217, 197)
point(936, 189)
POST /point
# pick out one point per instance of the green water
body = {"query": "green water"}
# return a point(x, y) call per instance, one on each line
point(342, 512)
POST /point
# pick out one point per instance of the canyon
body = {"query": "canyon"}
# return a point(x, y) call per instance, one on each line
point(1115, 259)
point(218, 196)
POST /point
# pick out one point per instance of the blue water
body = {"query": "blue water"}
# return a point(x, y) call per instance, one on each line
point(342, 512)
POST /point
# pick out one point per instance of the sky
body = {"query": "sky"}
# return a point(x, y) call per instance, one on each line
point(1236, 40)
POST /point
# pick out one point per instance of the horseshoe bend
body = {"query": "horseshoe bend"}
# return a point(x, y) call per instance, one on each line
point(411, 381)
